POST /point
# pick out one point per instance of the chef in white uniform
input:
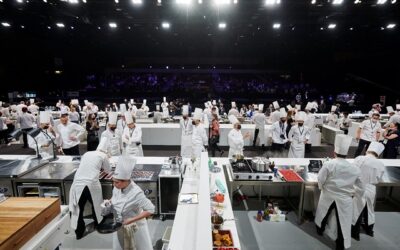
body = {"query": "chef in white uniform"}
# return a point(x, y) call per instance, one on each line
point(132, 137)
point(298, 136)
point(235, 137)
point(164, 107)
point(132, 107)
point(393, 117)
point(372, 171)
point(309, 122)
point(113, 135)
point(87, 187)
point(332, 117)
point(278, 129)
point(199, 135)
point(368, 131)
point(130, 205)
point(274, 117)
point(157, 115)
point(233, 110)
point(259, 120)
point(121, 123)
point(45, 137)
point(187, 131)
point(338, 181)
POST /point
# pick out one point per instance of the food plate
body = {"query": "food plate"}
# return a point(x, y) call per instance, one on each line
point(222, 239)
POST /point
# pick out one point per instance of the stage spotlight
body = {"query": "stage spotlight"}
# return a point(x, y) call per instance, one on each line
point(222, 2)
point(272, 2)
point(276, 26)
point(116, 1)
point(137, 2)
point(391, 26)
point(235, 1)
point(73, 1)
point(357, 1)
point(5, 24)
point(337, 2)
point(200, 1)
point(165, 25)
point(222, 26)
point(381, 1)
point(20, 1)
point(332, 26)
point(313, 1)
point(84, 1)
point(394, 1)
point(184, 2)
point(113, 25)
point(60, 25)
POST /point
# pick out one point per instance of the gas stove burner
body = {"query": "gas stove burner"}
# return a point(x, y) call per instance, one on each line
point(243, 171)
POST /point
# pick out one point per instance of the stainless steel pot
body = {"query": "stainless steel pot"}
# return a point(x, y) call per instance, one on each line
point(260, 164)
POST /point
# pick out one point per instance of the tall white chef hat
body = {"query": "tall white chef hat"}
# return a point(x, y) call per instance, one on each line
point(300, 116)
point(85, 102)
point(397, 106)
point(64, 112)
point(298, 107)
point(128, 117)
point(282, 113)
point(289, 107)
point(122, 108)
point(74, 101)
point(376, 147)
point(255, 106)
point(112, 118)
point(233, 120)
point(275, 104)
point(233, 104)
point(158, 107)
point(342, 144)
point(390, 109)
point(209, 104)
point(198, 114)
point(164, 99)
point(214, 102)
point(206, 104)
point(124, 168)
point(103, 147)
point(31, 101)
point(144, 102)
point(185, 110)
point(309, 106)
point(333, 108)
point(261, 107)
point(132, 101)
point(44, 117)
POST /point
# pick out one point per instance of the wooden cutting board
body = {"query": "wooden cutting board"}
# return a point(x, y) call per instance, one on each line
point(22, 217)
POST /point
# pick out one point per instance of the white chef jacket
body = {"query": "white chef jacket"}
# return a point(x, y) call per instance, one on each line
point(332, 119)
point(114, 141)
point(134, 137)
point(70, 129)
point(74, 116)
point(342, 121)
point(199, 139)
point(279, 129)
point(33, 108)
point(369, 130)
point(43, 140)
point(235, 142)
point(310, 120)
point(393, 119)
point(26, 120)
point(121, 124)
point(186, 137)
point(234, 112)
point(275, 116)
point(259, 120)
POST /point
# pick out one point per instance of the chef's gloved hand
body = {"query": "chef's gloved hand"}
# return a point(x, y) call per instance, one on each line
point(106, 207)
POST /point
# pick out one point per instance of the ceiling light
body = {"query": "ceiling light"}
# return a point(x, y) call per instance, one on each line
point(235, 1)
point(72, 27)
point(313, 1)
point(22, 27)
point(200, 1)
point(112, 25)
point(394, 1)
point(222, 2)
point(381, 1)
point(391, 26)
point(73, 1)
point(137, 2)
point(60, 25)
point(276, 26)
point(165, 25)
point(272, 2)
point(187, 2)
point(48, 27)
point(351, 28)
point(20, 1)
point(58, 72)
point(222, 25)
point(322, 28)
point(337, 2)
point(331, 26)
point(116, 1)
point(357, 1)
point(98, 27)
point(45, 1)
point(5, 24)
point(84, 1)
point(167, 67)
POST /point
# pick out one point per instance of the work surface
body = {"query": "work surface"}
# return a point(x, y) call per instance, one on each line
point(21, 218)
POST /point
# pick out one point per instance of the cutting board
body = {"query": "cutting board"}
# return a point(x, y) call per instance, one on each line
point(22, 217)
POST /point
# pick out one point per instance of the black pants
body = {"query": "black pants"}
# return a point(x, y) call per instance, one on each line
point(320, 230)
point(71, 151)
point(307, 147)
point(255, 137)
point(277, 146)
point(85, 197)
point(214, 145)
point(345, 131)
point(355, 230)
point(25, 136)
point(92, 142)
point(361, 145)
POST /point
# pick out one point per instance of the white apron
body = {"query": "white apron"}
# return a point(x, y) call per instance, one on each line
point(134, 150)
point(296, 150)
point(115, 147)
point(186, 146)
point(359, 203)
point(344, 205)
point(141, 238)
point(196, 150)
point(262, 137)
point(75, 194)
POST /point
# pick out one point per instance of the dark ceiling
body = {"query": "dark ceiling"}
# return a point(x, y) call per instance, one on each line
point(33, 45)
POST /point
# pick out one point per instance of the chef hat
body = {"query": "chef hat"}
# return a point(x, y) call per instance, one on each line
point(276, 104)
point(206, 104)
point(376, 113)
point(158, 107)
point(44, 117)
point(164, 99)
point(333, 108)
point(128, 117)
point(300, 116)
point(214, 102)
point(397, 106)
point(75, 102)
point(298, 107)
point(132, 101)
point(85, 102)
point(289, 107)
point(314, 104)
point(376, 147)
point(233, 119)
point(198, 114)
point(31, 101)
point(124, 168)
point(233, 104)
point(260, 107)
point(342, 144)
point(390, 109)
point(209, 104)
point(112, 118)
point(103, 145)
point(255, 106)
point(309, 106)
point(282, 113)
point(64, 112)
point(122, 108)
point(144, 102)
point(185, 110)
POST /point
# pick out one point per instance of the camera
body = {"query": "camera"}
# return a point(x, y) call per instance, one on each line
point(282, 136)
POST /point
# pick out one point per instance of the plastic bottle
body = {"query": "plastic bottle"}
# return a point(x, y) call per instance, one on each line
point(259, 216)
point(210, 164)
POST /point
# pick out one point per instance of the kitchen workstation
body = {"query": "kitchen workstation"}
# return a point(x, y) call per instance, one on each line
point(196, 201)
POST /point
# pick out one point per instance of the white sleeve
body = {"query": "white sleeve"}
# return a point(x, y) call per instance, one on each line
point(136, 136)
point(322, 176)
